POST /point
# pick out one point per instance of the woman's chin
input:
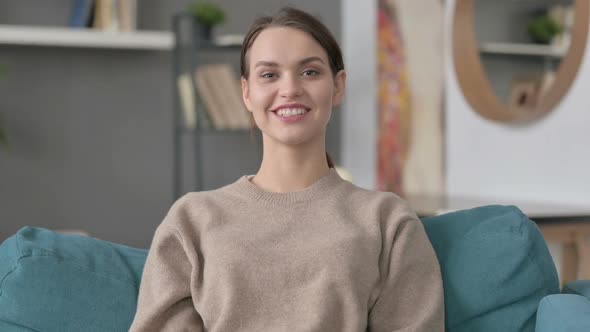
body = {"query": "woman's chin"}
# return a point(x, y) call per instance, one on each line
point(294, 137)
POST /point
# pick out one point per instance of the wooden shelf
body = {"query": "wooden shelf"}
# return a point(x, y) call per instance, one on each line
point(522, 49)
point(85, 38)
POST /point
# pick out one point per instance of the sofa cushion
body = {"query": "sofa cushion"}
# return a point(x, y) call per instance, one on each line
point(55, 282)
point(564, 312)
point(495, 264)
point(580, 287)
point(10, 327)
point(496, 268)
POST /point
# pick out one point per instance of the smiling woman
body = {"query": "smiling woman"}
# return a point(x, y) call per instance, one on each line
point(290, 92)
point(295, 246)
point(318, 65)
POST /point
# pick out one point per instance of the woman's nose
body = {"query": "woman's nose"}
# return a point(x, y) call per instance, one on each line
point(290, 86)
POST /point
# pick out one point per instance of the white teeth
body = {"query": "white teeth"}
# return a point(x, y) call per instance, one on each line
point(286, 112)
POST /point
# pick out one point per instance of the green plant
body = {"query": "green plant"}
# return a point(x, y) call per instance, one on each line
point(543, 28)
point(207, 13)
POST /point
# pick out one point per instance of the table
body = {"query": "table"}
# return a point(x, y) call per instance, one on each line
point(568, 225)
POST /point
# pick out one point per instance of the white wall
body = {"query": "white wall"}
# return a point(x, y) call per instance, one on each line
point(548, 161)
point(359, 118)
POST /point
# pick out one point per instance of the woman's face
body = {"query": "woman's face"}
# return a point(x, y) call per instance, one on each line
point(290, 89)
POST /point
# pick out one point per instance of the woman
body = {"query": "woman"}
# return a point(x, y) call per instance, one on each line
point(293, 247)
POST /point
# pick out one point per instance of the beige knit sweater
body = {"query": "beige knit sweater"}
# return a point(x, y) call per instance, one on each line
point(333, 257)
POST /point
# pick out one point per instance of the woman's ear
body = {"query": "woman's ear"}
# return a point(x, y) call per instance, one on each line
point(246, 94)
point(339, 86)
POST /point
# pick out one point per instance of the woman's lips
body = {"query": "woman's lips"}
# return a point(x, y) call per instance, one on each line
point(291, 118)
point(285, 112)
point(291, 106)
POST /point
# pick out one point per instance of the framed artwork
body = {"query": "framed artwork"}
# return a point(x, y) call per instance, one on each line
point(410, 97)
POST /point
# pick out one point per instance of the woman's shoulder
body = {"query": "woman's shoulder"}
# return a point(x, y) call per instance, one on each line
point(193, 205)
point(203, 200)
point(356, 192)
point(384, 203)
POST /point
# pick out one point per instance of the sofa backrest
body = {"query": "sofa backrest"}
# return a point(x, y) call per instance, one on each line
point(496, 268)
point(495, 264)
point(55, 282)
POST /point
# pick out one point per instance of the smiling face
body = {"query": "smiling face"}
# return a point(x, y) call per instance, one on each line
point(290, 89)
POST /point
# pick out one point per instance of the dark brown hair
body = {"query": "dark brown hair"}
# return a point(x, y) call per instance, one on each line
point(300, 20)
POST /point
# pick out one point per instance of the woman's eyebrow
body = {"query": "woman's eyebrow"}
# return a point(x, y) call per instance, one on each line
point(311, 59)
point(301, 63)
point(266, 64)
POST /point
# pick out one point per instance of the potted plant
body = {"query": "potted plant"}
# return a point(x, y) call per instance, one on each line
point(543, 29)
point(207, 15)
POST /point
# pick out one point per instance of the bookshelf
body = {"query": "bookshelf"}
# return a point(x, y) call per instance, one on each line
point(511, 66)
point(195, 124)
point(85, 38)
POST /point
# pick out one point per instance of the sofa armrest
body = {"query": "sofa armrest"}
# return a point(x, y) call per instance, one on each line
point(563, 313)
point(580, 287)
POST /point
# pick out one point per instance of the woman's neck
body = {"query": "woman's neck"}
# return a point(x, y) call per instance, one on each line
point(290, 169)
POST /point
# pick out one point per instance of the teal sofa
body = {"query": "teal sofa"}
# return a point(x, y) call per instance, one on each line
point(497, 273)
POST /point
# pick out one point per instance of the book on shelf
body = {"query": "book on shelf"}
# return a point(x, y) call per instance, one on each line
point(115, 15)
point(82, 14)
point(187, 101)
point(227, 88)
point(208, 97)
point(127, 13)
point(219, 89)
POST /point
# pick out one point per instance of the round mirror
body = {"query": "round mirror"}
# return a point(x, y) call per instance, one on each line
point(515, 60)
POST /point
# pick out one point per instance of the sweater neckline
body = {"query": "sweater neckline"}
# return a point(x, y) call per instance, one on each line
point(318, 189)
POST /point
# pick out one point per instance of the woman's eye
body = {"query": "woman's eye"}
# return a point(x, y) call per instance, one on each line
point(310, 72)
point(268, 75)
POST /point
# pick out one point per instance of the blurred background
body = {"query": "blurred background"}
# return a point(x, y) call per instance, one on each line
point(478, 100)
point(90, 128)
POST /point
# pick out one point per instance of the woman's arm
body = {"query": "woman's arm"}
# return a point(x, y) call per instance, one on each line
point(165, 302)
point(411, 296)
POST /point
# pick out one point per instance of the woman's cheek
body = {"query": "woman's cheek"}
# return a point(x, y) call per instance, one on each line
point(262, 99)
point(323, 96)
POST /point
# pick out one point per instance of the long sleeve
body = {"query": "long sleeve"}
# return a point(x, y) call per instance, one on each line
point(165, 302)
point(411, 294)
